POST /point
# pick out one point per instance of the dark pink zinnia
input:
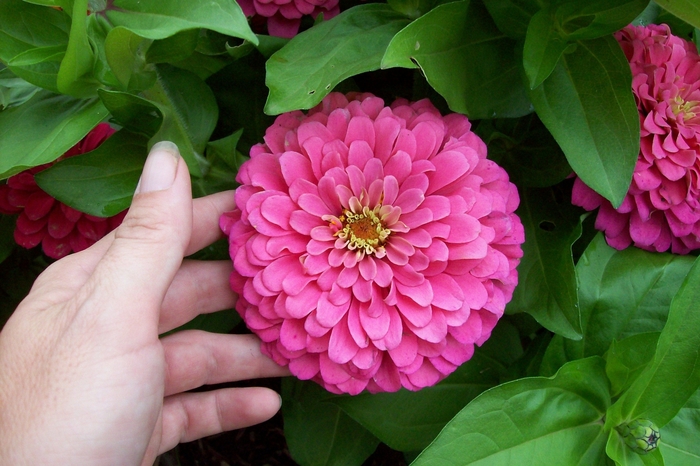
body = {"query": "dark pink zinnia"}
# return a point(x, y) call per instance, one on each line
point(43, 220)
point(373, 246)
point(662, 208)
point(284, 16)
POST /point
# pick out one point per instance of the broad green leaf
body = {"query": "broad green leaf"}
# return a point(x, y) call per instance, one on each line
point(408, 421)
point(318, 432)
point(554, 357)
point(531, 421)
point(43, 128)
point(126, 54)
point(58, 3)
point(679, 438)
point(544, 45)
point(687, 10)
point(623, 293)
point(648, 16)
point(588, 106)
point(225, 150)
point(154, 119)
point(305, 70)
point(413, 8)
point(39, 66)
point(14, 91)
point(24, 26)
point(596, 18)
point(100, 182)
point(623, 455)
point(627, 358)
point(465, 58)
point(512, 16)
point(135, 113)
point(190, 103)
point(174, 48)
point(547, 288)
point(673, 376)
point(75, 75)
point(154, 19)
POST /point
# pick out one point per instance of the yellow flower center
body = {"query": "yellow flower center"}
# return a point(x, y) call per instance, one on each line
point(364, 230)
point(686, 107)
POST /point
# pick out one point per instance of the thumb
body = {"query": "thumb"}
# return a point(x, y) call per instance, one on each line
point(133, 276)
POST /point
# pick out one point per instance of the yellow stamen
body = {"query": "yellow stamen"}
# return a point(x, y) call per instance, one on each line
point(363, 231)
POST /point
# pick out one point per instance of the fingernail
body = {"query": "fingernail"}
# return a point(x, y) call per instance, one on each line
point(160, 168)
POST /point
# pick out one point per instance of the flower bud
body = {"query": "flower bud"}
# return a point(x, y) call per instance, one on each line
point(641, 435)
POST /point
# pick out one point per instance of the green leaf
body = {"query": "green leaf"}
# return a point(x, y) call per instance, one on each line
point(408, 421)
point(526, 150)
point(98, 29)
point(126, 54)
point(225, 150)
point(14, 91)
point(588, 106)
point(544, 45)
point(135, 113)
point(465, 58)
point(512, 16)
point(547, 288)
point(305, 70)
point(24, 26)
point(75, 75)
point(596, 18)
point(626, 359)
point(39, 66)
point(679, 442)
point(319, 433)
point(43, 128)
point(623, 455)
point(189, 111)
point(174, 48)
point(530, 421)
point(674, 374)
point(224, 162)
point(623, 293)
point(158, 20)
point(100, 182)
point(687, 10)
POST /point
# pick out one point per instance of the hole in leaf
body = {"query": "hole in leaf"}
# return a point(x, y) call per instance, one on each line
point(546, 225)
point(312, 91)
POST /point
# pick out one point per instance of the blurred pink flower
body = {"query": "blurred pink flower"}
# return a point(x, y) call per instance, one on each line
point(373, 246)
point(284, 16)
point(42, 219)
point(662, 207)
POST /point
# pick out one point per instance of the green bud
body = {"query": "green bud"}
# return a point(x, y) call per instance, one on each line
point(641, 435)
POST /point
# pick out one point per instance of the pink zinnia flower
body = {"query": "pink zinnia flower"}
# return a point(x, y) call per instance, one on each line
point(43, 220)
point(284, 16)
point(373, 246)
point(662, 208)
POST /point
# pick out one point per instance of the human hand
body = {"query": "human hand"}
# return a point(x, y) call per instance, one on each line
point(84, 377)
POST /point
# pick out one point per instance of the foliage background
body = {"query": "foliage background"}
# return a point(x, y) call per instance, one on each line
point(594, 338)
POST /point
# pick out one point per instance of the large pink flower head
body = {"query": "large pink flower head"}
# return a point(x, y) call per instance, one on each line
point(662, 207)
point(284, 16)
point(43, 220)
point(373, 246)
